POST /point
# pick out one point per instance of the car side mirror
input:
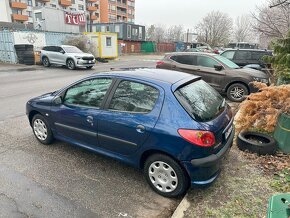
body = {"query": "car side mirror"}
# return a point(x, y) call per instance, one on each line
point(62, 51)
point(218, 67)
point(57, 100)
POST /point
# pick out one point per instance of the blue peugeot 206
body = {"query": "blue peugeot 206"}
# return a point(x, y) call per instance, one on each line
point(172, 125)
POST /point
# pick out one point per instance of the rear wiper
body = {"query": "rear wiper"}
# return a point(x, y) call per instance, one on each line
point(222, 104)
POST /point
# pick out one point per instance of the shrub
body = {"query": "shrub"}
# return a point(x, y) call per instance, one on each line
point(261, 110)
point(82, 42)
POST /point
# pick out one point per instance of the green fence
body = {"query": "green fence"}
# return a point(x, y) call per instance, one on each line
point(148, 47)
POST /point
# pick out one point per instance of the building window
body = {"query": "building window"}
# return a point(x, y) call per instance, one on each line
point(29, 13)
point(81, 7)
point(53, 6)
point(108, 41)
point(107, 28)
point(140, 32)
point(135, 32)
point(129, 31)
point(72, 9)
point(103, 29)
point(29, 2)
point(73, 1)
point(38, 16)
point(117, 28)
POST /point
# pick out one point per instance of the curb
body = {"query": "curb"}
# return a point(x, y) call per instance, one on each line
point(181, 208)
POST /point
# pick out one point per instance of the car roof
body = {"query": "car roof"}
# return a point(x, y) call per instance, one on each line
point(246, 49)
point(193, 53)
point(151, 75)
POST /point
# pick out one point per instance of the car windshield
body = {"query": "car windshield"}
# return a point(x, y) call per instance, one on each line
point(200, 100)
point(72, 49)
point(226, 62)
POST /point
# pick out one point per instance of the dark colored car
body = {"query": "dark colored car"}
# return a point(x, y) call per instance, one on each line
point(172, 125)
point(251, 58)
point(221, 73)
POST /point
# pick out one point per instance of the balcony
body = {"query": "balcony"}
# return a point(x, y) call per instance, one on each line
point(65, 3)
point(120, 4)
point(44, 1)
point(119, 12)
point(92, 1)
point(92, 8)
point(93, 17)
point(18, 5)
point(19, 17)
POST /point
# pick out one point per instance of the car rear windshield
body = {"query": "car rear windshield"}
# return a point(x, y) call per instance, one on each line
point(200, 100)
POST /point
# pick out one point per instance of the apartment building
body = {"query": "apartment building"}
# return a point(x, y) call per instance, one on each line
point(117, 11)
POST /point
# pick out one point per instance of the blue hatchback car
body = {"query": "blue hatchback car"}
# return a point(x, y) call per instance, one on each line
point(172, 125)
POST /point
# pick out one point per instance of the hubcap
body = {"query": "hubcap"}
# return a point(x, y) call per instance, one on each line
point(45, 61)
point(162, 176)
point(70, 64)
point(237, 92)
point(40, 129)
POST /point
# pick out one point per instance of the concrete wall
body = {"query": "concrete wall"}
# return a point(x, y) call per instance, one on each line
point(5, 11)
point(33, 38)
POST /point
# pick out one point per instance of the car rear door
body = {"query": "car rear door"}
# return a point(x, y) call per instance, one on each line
point(131, 113)
point(184, 63)
point(76, 117)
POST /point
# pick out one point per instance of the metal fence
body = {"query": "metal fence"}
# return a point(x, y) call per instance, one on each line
point(7, 51)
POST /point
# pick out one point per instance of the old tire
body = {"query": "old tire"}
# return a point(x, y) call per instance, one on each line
point(45, 62)
point(70, 64)
point(237, 92)
point(42, 130)
point(165, 176)
point(259, 143)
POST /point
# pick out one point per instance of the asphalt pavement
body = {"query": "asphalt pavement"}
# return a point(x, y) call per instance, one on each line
point(62, 180)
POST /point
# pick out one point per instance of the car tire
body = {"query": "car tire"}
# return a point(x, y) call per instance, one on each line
point(237, 92)
point(90, 67)
point(70, 64)
point(259, 143)
point(42, 130)
point(45, 62)
point(170, 180)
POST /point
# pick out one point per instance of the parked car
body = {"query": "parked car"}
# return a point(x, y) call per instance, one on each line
point(251, 58)
point(221, 73)
point(66, 55)
point(176, 127)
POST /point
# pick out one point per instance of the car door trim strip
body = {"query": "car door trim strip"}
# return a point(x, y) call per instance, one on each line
point(117, 139)
point(78, 130)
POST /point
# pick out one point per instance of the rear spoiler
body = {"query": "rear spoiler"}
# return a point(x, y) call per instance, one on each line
point(184, 82)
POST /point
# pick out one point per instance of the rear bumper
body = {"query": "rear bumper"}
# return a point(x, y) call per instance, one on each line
point(204, 171)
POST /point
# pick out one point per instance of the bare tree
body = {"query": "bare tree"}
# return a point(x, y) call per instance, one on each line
point(160, 33)
point(243, 29)
point(174, 33)
point(215, 28)
point(273, 22)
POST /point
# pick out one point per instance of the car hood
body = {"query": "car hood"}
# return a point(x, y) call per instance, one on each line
point(45, 97)
point(252, 72)
point(81, 54)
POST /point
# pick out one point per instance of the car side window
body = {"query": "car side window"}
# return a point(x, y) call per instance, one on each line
point(206, 61)
point(258, 55)
point(58, 49)
point(228, 54)
point(88, 93)
point(242, 55)
point(134, 97)
point(185, 59)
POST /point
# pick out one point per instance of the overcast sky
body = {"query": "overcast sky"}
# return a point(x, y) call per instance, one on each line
point(188, 12)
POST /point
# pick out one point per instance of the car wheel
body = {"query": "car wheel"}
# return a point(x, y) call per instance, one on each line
point(165, 176)
point(45, 62)
point(42, 130)
point(70, 64)
point(237, 92)
point(256, 142)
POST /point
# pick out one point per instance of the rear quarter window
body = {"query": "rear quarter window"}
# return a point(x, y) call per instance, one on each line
point(200, 100)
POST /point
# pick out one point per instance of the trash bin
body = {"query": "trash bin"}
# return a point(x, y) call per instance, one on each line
point(279, 206)
point(282, 133)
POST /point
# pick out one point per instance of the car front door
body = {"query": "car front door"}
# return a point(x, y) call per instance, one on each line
point(76, 117)
point(208, 72)
point(59, 56)
point(131, 112)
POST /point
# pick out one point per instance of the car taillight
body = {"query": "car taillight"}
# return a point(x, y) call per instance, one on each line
point(159, 63)
point(198, 137)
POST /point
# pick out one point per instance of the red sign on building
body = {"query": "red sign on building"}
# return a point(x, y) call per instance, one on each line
point(75, 18)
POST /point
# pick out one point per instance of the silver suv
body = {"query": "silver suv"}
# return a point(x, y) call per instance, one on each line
point(66, 55)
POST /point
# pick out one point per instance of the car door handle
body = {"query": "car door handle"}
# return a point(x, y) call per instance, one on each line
point(90, 120)
point(140, 128)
